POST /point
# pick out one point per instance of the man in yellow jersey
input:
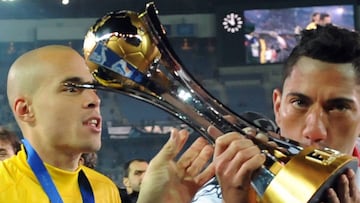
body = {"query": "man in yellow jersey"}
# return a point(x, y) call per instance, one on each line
point(58, 124)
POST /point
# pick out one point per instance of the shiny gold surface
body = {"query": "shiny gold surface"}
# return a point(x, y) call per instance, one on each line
point(276, 167)
point(136, 47)
point(306, 174)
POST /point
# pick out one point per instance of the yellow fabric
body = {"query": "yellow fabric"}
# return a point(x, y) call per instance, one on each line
point(262, 50)
point(19, 184)
point(311, 26)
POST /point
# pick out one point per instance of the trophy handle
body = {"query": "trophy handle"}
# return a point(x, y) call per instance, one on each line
point(163, 81)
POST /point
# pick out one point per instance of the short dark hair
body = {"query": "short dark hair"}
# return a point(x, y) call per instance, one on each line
point(313, 15)
point(90, 159)
point(11, 137)
point(128, 163)
point(324, 15)
point(329, 44)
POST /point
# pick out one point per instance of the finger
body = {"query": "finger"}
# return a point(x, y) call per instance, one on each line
point(252, 132)
point(262, 137)
point(234, 155)
point(234, 158)
point(182, 137)
point(243, 176)
point(214, 132)
point(342, 188)
point(273, 144)
point(230, 119)
point(171, 148)
point(200, 161)
point(273, 134)
point(222, 143)
point(205, 175)
point(191, 153)
point(331, 196)
point(353, 189)
point(249, 131)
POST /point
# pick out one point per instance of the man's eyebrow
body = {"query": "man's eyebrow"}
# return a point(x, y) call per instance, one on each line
point(77, 80)
point(72, 80)
point(332, 100)
point(297, 94)
point(340, 100)
point(139, 171)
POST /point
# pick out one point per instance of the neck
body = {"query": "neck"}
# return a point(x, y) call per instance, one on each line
point(129, 190)
point(57, 158)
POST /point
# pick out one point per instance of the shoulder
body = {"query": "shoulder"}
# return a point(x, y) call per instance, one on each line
point(124, 195)
point(6, 174)
point(98, 180)
point(10, 173)
point(102, 185)
point(260, 120)
point(311, 26)
point(12, 168)
point(122, 191)
point(95, 176)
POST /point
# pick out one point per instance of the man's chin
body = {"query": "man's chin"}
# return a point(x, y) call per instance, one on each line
point(92, 148)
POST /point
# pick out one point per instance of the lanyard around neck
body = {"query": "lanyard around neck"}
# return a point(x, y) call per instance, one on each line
point(47, 183)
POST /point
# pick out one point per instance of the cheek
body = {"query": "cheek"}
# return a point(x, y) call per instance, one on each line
point(11, 152)
point(290, 125)
point(282, 117)
point(345, 129)
point(54, 115)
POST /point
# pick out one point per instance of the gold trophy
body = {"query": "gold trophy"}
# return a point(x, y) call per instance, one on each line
point(129, 53)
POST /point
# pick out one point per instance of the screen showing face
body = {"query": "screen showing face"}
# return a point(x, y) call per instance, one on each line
point(270, 34)
point(267, 35)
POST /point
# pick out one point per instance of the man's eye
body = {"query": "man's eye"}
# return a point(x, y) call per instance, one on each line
point(338, 107)
point(71, 89)
point(299, 103)
point(138, 173)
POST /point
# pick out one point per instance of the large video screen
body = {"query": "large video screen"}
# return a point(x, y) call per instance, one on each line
point(264, 36)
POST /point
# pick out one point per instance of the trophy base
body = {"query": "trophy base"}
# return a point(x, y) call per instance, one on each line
point(307, 176)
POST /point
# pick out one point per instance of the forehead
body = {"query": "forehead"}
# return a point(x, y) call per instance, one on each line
point(68, 66)
point(308, 66)
point(138, 165)
point(314, 77)
point(5, 144)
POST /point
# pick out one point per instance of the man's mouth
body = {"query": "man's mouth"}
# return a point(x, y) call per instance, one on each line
point(95, 123)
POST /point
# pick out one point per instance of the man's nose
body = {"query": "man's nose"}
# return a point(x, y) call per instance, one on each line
point(92, 99)
point(315, 127)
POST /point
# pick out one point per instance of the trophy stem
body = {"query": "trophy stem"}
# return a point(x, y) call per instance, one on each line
point(209, 111)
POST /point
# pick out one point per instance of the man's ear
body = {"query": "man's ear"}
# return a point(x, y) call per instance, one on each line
point(126, 182)
point(276, 105)
point(23, 110)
